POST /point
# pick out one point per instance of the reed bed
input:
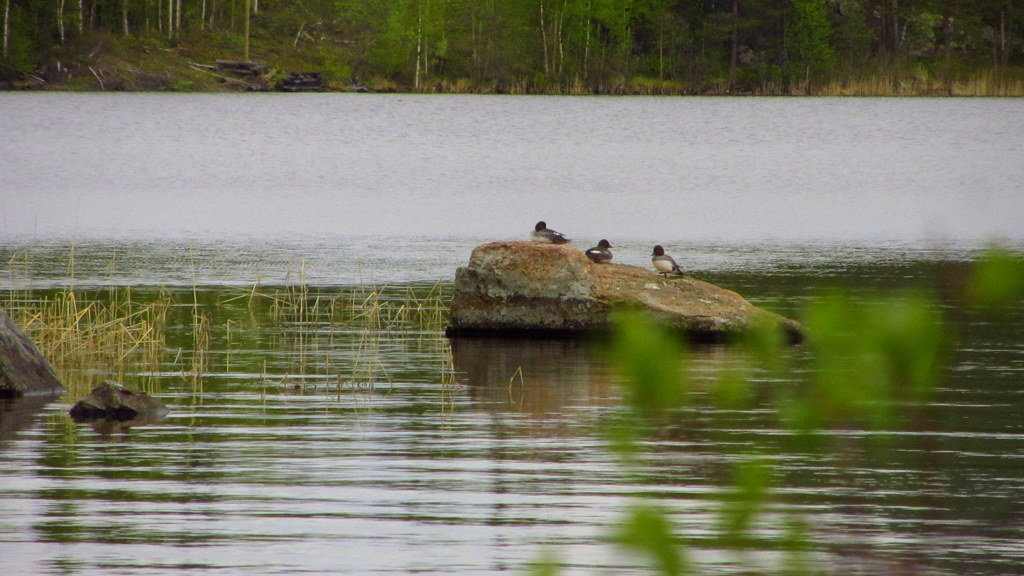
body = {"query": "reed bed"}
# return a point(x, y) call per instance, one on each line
point(338, 338)
point(88, 339)
point(371, 313)
point(918, 83)
point(903, 80)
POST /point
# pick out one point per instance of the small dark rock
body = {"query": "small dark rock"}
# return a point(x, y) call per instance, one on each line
point(112, 401)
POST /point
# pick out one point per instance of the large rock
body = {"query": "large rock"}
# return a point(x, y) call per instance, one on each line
point(112, 401)
point(23, 369)
point(531, 288)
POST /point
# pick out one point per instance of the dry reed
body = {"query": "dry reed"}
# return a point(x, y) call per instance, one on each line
point(88, 340)
point(93, 335)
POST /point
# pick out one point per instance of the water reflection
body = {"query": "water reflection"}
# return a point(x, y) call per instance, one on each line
point(18, 413)
point(533, 376)
point(109, 427)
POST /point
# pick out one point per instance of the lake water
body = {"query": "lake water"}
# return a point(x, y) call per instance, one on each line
point(677, 169)
point(317, 445)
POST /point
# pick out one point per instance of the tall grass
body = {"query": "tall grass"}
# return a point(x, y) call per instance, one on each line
point(97, 334)
point(990, 83)
point(898, 80)
point(372, 313)
point(365, 314)
point(88, 340)
point(88, 336)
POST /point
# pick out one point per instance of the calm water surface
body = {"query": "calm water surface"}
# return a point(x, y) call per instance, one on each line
point(687, 169)
point(316, 447)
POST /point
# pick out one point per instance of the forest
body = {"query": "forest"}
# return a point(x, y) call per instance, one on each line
point(838, 47)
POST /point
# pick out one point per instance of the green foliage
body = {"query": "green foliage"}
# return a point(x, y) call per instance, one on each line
point(853, 35)
point(868, 356)
point(765, 342)
point(21, 47)
point(646, 530)
point(762, 347)
point(577, 46)
point(652, 359)
point(751, 479)
point(547, 566)
point(997, 281)
point(808, 37)
point(395, 46)
point(795, 545)
point(872, 359)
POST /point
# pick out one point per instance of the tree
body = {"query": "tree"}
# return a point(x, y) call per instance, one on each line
point(7, 27)
point(807, 39)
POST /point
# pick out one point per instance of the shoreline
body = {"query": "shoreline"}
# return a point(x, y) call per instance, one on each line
point(955, 90)
point(142, 64)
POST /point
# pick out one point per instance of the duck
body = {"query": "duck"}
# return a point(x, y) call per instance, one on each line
point(541, 233)
point(664, 263)
point(600, 253)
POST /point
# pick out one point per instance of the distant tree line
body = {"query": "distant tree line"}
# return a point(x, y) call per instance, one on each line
point(559, 45)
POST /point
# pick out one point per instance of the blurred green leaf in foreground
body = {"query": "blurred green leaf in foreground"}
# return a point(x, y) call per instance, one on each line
point(997, 281)
point(872, 360)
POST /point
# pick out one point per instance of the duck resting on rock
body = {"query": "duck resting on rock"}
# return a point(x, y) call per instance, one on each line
point(541, 233)
point(664, 263)
point(600, 253)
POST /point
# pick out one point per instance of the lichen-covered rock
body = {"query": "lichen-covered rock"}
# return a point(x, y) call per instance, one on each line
point(532, 288)
point(23, 368)
point(112, 401)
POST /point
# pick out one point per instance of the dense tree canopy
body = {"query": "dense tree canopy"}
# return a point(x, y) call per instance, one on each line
point(551, 45)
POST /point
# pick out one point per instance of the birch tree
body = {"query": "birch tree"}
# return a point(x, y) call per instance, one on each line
point(60, 20)
point(7, 28)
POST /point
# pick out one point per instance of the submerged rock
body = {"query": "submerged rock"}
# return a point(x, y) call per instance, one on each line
point(112, 401)
point(530, 288)
point(23, 368)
